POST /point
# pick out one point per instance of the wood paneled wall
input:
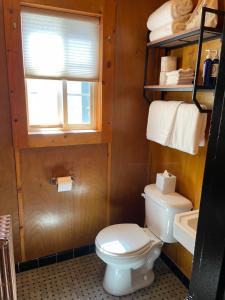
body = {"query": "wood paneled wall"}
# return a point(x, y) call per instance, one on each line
point(54, 221)
point(129, 145)
point(57, 221)
point(8, 194)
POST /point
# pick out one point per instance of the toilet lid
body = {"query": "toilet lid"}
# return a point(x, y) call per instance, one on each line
point(122, 238)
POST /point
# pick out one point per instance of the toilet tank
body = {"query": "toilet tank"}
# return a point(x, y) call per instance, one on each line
point(160, 210)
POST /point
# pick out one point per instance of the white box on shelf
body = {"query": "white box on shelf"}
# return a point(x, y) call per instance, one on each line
point(166, 182)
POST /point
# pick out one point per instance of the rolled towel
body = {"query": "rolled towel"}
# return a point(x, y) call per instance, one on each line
point(161, 119)
point(168, 12)
point(174, 27)
point(211, 20)
point(188, 132)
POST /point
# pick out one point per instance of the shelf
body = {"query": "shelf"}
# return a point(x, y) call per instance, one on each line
point(177, 88)
point(185, 38)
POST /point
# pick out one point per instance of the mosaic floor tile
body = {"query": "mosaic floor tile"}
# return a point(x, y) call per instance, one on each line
point(81, 279)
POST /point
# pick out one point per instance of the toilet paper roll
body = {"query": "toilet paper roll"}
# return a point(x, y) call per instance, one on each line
point(64, 184)
point(168, 63)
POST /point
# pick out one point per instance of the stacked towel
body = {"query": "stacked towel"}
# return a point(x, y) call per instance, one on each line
point(170, 18)
point(177, 125)
point(181, 76)
point(174, 27)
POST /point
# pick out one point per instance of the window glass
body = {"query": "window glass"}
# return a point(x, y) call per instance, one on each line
point(44, 102)
point(78, 99)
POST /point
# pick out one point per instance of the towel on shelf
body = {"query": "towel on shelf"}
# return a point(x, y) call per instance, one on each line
point(177, 81)
point(168, 12)
point(189, 129)
point(181, 72)
point(181, 76)
point(173, 27)
point(161, 119)
point(211, 20)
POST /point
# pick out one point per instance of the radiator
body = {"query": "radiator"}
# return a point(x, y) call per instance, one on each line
point(7, 263)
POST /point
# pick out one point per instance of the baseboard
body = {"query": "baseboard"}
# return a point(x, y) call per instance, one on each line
point(175, 270)
point(54, 258)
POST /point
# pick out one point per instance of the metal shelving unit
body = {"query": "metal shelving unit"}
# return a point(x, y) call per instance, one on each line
point(184, 39)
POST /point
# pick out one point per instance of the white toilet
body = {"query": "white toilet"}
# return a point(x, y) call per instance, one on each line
point(130, 251)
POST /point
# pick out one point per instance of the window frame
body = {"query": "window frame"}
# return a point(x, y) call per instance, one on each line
point(13, 39)
point(95, 93)
point(65, 127)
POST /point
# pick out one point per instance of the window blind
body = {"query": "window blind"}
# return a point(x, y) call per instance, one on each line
point(60, 45)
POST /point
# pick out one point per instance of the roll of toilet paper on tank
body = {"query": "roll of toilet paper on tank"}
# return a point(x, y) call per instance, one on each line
point(64, 184)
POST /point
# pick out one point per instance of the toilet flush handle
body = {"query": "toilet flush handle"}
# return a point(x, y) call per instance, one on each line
point(143, 195)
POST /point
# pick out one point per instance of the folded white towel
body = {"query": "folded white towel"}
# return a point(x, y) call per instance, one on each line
point(180, 77)
point(187, 80)
point(189, 129)
point(168, 12)
point(161, 119)
point(181, 72)
point(168, 29)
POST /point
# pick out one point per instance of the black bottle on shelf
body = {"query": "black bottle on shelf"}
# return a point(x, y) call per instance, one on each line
point(215, 69)
point(207, 70)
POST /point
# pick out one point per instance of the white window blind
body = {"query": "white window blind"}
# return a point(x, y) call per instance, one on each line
point(60, 45)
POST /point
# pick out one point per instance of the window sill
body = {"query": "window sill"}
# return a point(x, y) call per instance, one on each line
point(66, 138)
point(58, 131)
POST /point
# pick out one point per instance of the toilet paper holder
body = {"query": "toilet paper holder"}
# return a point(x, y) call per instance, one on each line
point(53, 180)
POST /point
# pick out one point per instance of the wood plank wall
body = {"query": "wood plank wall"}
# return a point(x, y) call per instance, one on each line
point(129, 145)
point(8, 193)
point(51, 221)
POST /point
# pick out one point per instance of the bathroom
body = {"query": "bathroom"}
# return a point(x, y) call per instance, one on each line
point(54, 232)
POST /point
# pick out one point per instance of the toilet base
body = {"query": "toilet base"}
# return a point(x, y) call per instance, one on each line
point(120, 282)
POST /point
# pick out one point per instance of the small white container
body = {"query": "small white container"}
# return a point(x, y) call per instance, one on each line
point(168, 63)
point(166, 182)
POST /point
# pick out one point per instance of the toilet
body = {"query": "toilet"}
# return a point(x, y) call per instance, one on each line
point(130, 251)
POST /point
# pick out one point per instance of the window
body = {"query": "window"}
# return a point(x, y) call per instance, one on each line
point(61, 54)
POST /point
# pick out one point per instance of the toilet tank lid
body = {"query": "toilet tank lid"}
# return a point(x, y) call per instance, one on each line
point(172, 200)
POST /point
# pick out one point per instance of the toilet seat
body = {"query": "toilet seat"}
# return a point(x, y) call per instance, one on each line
point(125, 240)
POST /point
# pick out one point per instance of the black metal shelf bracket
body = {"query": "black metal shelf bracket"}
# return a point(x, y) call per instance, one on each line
point(146, 69)
point(198, 36)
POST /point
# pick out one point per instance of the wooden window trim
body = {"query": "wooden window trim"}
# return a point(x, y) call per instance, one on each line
point(21, 138)
point(64, 126)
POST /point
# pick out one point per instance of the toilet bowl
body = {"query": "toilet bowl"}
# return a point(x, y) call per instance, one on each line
point(130, 251)
point(129, 257)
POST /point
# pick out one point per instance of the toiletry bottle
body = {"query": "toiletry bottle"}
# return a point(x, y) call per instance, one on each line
point(207, 70)
point(215, 69)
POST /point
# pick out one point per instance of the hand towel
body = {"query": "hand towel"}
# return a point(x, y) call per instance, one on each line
point(161, 119)
point(188, 132)
point(168, 12)
point(211, 20)
point(168, 29)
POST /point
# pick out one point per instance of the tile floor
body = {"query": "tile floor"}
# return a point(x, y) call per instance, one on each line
point(81, 279)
